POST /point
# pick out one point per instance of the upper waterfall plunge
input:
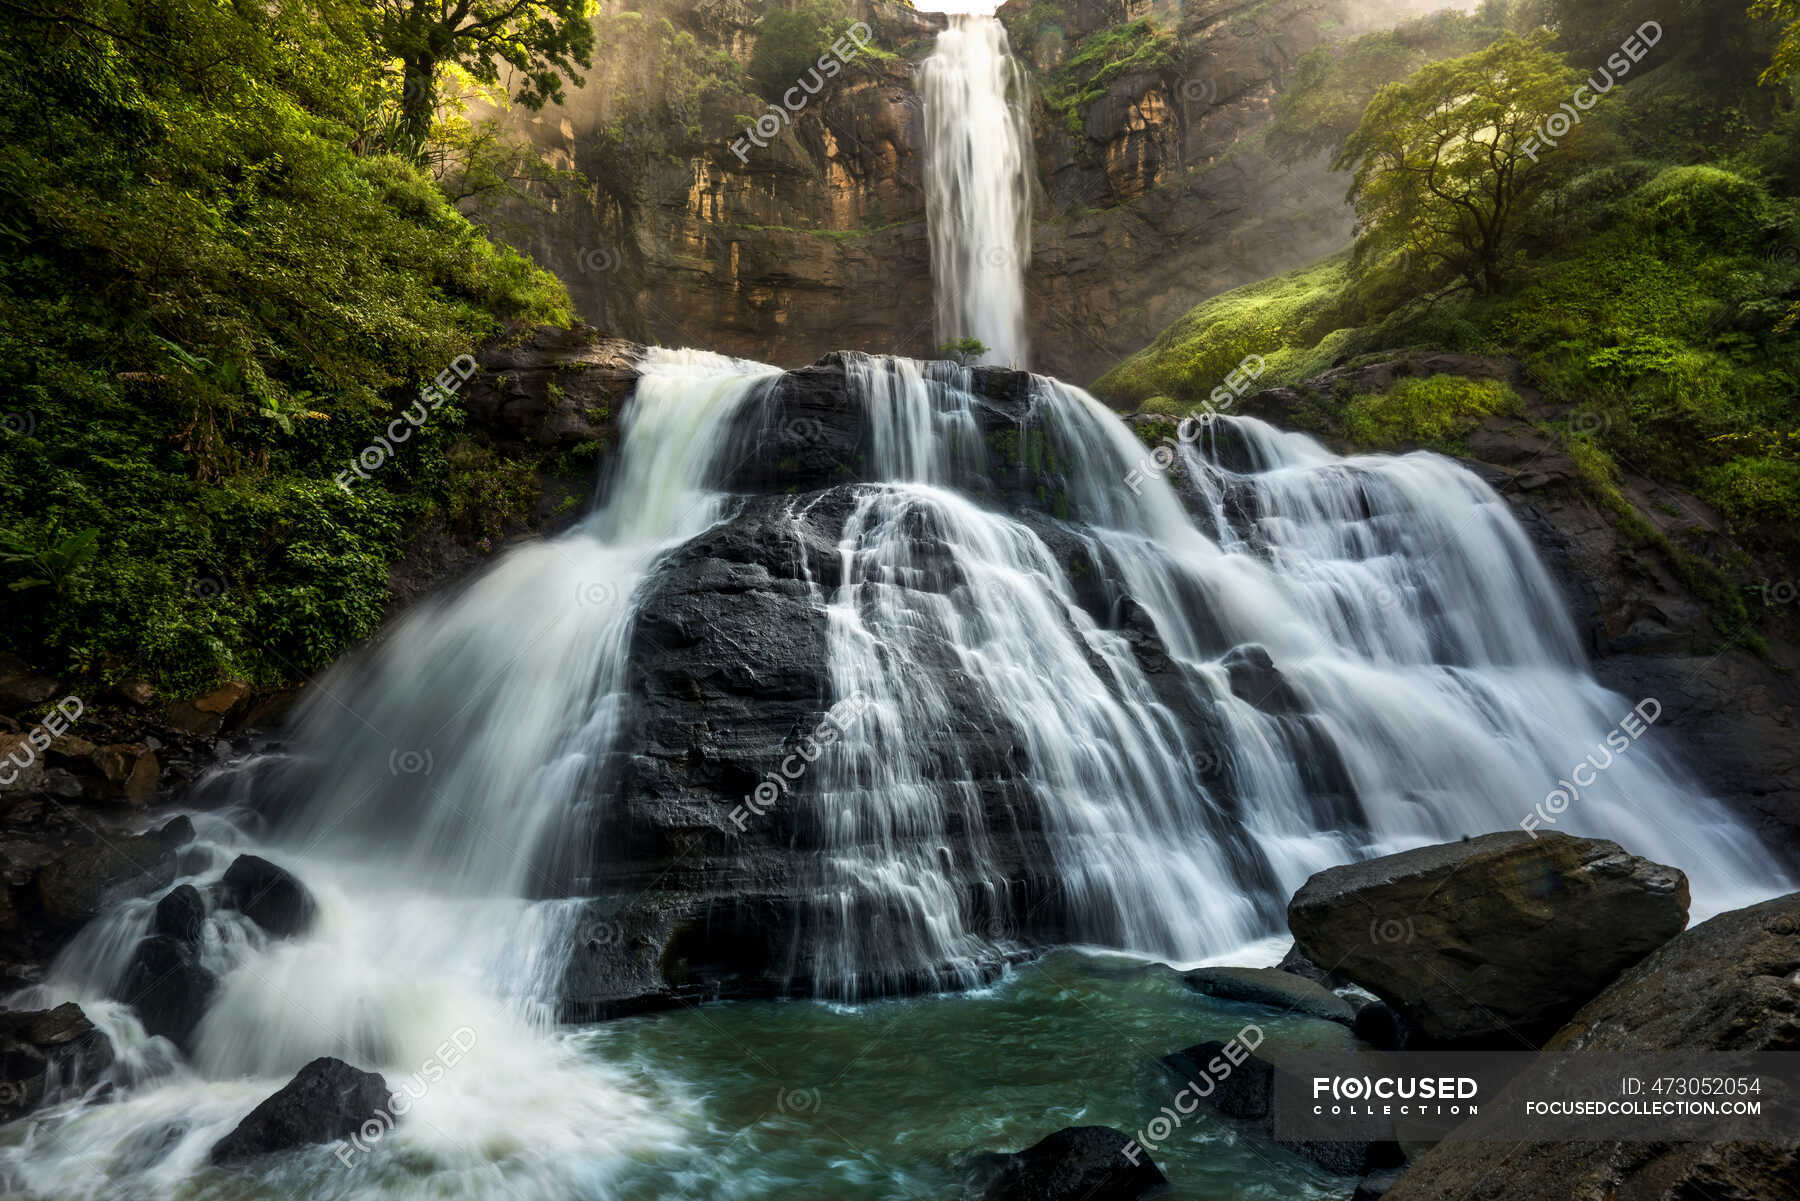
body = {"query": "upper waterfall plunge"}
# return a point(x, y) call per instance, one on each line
point(978, 186)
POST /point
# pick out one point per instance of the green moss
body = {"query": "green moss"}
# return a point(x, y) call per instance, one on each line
point(1104, 56)
point(1284, 319)
point(1437, 411)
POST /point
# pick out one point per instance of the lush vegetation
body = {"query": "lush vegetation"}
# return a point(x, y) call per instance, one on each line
point(216, 289)
point(1140, 45)
point(1649, 283)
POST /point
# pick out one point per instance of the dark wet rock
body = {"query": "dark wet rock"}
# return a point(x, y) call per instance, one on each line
point(268, 895)
point(1295, 961)
point(1379, 1025)
point(1498, 938)
point(1728, 984)
point(79, 882)
point(1256, 681)
point(1080, 1163)
point(169, 989)
point(326, 1101)
point(48, 1055)
point(1271, 987)
point(180, 914)
point(1240, 1084)
point(1376, 1185)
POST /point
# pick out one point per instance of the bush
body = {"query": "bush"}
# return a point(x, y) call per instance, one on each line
point(1705, 202)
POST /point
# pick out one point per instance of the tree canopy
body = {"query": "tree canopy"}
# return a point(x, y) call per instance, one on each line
point(1447, 162)
point(541, 41)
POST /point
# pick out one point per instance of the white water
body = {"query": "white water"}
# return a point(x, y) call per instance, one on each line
point(978, 172)
point(1437, 691)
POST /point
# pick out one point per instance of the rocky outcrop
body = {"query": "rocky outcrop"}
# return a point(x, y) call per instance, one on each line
point(1153, 192)
point(1270, 987)
point(268, 895)
point(326, 1100)
point(1081, 1163)
point(48, 1055)
point(1496, 939)
point(77, 884)
point(1725, 985)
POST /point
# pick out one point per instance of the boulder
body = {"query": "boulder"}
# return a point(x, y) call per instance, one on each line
point(129, 771)
point(169, 989)
point(180, 915)
point(1270, 987)
point(1726, 985)
point(77, 884)
point(47, 1055)
point(1245, 1090)
point(1079, 1163)
point(1491, 940)
point(204, 716)
point(268, 895)
point(1380, 1026)
point(326, 1100)
point(20, 686)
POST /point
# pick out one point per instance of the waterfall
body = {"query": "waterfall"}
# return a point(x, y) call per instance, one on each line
point(1204, 687)
point(978, 172)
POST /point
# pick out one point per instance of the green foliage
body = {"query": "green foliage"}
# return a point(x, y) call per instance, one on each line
point(537, 43)
point(1139, 45)
point(1283, 319)
point(1705, 202)
point(963, 350)
point(790, 42)
point(1662, 325)
point(1786, 59)
point(208, 305)
point(1447, 163)
point(1436, 411)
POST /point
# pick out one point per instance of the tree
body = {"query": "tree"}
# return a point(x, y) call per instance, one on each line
point(543, 41)
point(965, 352)
point(1448, 161)
point(1787, 53)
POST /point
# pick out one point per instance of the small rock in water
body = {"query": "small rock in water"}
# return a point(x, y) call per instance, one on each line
point(326, 1101)
point(169, 989)
point(1080, 1163)
point(1271, 987)
point(268, 895)
point(180, 914)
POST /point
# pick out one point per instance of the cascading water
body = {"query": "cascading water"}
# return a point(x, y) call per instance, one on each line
point(978, 186)
point(1356, 655)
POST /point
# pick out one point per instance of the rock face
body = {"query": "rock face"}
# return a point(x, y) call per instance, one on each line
point(1726, 985)
point(1153, 193)
point(326, 1101)
point(1272, 987)
point(48, 1055)
point(1081, 1163)
point(268, 895)
point(1494, 939)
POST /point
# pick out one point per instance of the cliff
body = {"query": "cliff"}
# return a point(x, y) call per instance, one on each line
point(1152, 192)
